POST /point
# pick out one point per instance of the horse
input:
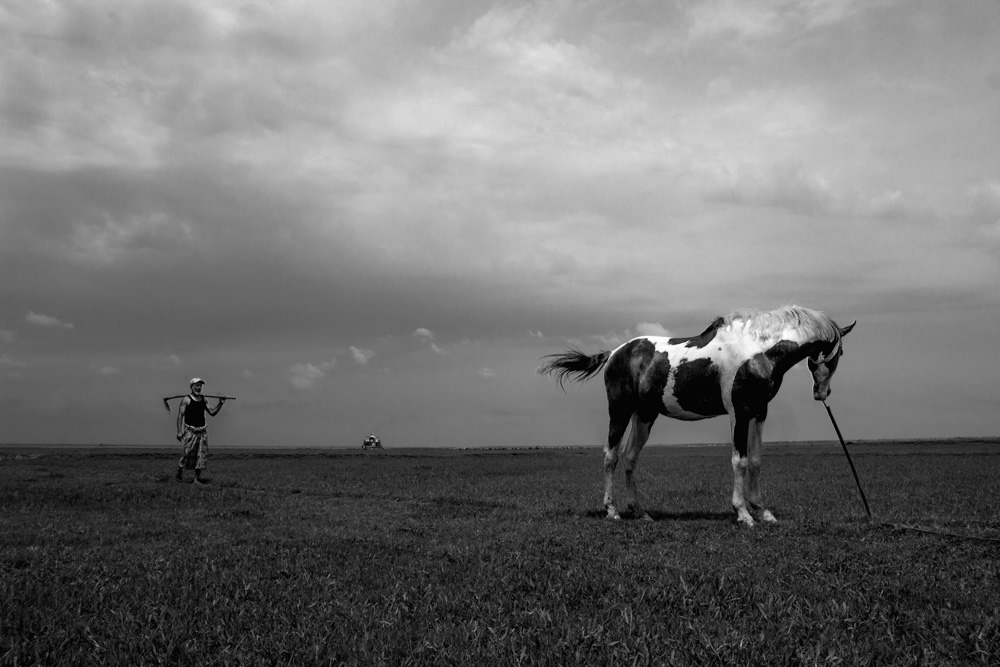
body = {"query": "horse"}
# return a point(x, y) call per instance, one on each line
point(733, 367)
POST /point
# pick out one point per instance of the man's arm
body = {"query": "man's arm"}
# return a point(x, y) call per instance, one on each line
point(218, 406)
point(181, 409)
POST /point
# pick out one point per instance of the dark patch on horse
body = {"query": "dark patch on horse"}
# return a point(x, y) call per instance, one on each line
point(759, 378)
point(756, 382)
point(741, 432)
point(701, 340)
point(626, 388)
point(824, 347)
point(784, 354)
point(697, 388)
point(635, 379)
point(626, 366)
point(652, 382)
point(752, 385)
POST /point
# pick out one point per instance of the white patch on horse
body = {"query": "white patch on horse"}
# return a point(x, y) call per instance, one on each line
point(677, 354)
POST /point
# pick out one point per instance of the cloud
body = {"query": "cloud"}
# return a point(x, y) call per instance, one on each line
point(894, 205)
point(171, 361)
point(486, 373)
point(985, 214)
point(107, 239)
point(611, 339)
point(651, 329)
point(7, 336)
point(720, 21)
point(107, 371)
point(427, 336)
point(711, 20)
point(46, 321)
point(361, 356)
point(783, 186)
point(305, 376)
point(987, 195)
point(5, 360)
point(890, 204)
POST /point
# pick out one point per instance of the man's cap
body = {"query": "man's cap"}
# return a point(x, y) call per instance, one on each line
point(195, 381)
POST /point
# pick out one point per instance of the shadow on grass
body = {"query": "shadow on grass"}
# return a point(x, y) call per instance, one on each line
point(659, 515)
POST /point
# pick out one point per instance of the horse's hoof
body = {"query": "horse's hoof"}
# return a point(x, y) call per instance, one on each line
point(762, 514)
point(614, 516)
point(646, 517)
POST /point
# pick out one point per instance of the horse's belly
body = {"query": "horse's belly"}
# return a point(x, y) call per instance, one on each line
point(694, 391)
point(674, 411)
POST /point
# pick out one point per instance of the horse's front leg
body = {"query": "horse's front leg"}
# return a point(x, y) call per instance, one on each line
point(755, 451)
point(740, 427)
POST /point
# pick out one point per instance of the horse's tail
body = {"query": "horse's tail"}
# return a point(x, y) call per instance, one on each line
point(574, 365)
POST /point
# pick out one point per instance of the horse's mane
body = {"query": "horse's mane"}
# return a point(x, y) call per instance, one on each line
point(767, 324)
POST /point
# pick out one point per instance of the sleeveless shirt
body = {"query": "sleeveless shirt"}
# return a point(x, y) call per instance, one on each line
point(194, 414)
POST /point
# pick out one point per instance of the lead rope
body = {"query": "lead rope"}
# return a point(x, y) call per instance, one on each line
point(896, 526)
point(848, 455)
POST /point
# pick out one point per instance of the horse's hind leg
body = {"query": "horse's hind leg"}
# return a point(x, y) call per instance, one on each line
point(641, 426)
point(617, 425)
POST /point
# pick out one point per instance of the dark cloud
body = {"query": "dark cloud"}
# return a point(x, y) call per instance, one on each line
point(278, 198)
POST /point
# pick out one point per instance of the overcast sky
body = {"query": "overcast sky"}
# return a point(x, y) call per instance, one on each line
point(370, 215)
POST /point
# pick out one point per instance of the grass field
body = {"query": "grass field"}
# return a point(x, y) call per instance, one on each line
point(443, 557)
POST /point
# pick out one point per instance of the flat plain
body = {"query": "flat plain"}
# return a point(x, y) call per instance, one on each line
point(497, 557)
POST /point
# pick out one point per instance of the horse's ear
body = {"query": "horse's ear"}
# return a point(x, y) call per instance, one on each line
point(846, 330)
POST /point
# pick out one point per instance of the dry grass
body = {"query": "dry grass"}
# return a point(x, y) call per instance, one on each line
point(495, 558)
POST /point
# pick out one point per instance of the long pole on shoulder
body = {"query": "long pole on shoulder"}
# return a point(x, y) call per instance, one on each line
point(848, 454)
point(166, 399)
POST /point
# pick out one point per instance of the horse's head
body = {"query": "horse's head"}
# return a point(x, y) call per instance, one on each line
point(824, 364)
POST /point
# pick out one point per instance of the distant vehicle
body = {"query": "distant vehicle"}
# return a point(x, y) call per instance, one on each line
point(371, 442)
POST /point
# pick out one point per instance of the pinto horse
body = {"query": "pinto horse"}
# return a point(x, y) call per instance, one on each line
point(733, 367)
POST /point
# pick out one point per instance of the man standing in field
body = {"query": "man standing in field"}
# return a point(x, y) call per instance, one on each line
point(192, 431)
